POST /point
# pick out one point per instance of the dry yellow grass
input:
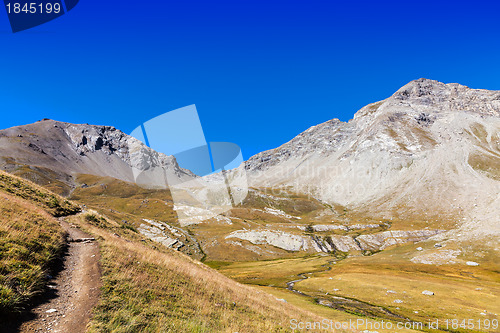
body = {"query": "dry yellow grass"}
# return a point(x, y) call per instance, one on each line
point(274, 273)
point(29, 240)
point(50, 202)
point(461, 291)
point(148, 288)
point(123, 200)
point(488, 164)
point(44, 177)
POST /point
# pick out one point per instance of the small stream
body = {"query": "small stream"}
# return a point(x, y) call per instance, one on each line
point(349, 305)
point(291, 284)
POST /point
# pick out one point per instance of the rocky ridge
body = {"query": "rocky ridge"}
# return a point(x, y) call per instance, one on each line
point(171, 237)
point(431, 150)
point(68, 149)
point(332, 243)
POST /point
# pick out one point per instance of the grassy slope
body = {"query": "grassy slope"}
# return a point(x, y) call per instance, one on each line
point(30, 238)
point(126, 201)
point(148, 288)
point(271, 276)
point(50, 202)
point(273, 273)
point(129, 204)
point(44, 177)
point(363, 278)
point(122, 200)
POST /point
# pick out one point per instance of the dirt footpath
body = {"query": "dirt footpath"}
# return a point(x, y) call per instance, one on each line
point(76, 288)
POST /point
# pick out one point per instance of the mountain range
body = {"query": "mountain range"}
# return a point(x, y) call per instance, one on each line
point(431, 148)
point(389, 216)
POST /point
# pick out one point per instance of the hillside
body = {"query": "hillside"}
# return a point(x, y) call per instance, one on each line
point(50, 152)
point(149, 288)
point(30, 239)
point(346, 221)
point(146, 286)
point(431, 151)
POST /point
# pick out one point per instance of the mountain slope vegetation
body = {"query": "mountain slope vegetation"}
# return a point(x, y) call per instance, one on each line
point(146, 286)
point(150, 288)
point(402, 199)
point(30, 238)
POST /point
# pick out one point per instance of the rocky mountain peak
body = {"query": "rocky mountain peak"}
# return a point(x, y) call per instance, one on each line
point(416, 105)
point(91, 138)
point(82, 149)
point(452, 97)
point(419, 88)
point(428, 145)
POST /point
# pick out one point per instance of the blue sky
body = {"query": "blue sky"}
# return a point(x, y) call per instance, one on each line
point(259, 72)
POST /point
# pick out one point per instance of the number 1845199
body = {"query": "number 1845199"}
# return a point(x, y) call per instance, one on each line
point(33, 8)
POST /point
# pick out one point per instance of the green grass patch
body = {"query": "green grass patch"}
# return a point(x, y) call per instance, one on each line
point(52, 203)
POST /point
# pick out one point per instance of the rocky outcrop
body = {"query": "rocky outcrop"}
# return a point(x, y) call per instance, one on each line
point(378, 241)
point(170, 237)
point(382, 240)
point(341, 227)
point(196, 215)
point(158, 232)
point(333, 243)
point(279, 239)
point(280, 213)
point(343, 243)
point(326, 227)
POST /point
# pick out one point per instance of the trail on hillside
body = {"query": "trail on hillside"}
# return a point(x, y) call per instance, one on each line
point(72, 294)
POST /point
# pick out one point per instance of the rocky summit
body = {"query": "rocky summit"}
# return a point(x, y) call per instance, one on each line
point(56, 150)
point(431, 148)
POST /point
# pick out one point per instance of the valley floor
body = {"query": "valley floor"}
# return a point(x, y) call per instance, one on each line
point(385, 287)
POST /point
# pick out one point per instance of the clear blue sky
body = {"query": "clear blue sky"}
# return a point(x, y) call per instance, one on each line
point(259, 72)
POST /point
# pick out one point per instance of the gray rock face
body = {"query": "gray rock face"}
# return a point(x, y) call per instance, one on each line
point(161, 233)
point(323, 138)
point(331, 227)
point(88, 149)
point(344, 243)
point(429, 148)
point(293, 242)
point(282, 240)
point(172, 237)
point(378, 241)
point(327, 227)
point(382, 240)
